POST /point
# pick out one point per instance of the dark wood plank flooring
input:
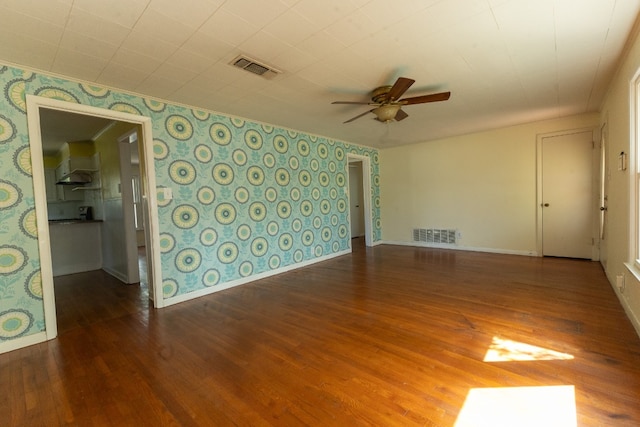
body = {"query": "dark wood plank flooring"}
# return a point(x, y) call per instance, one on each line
point(387, 336)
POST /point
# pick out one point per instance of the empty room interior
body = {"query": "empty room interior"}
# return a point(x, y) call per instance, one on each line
point(294, 212)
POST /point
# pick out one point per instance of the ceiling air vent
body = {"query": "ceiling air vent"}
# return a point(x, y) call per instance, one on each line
point(255, 67)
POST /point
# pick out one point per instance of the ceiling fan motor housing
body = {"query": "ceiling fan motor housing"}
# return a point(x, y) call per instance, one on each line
point(379, 95)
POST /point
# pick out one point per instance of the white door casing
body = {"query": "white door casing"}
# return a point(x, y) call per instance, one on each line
point(34, 103)
point(131, 245)
point(366, 195)
point(604, 175)
point(356, 202)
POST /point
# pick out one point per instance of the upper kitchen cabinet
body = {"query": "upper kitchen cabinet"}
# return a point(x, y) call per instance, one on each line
point(76, 165)
point(50, 184)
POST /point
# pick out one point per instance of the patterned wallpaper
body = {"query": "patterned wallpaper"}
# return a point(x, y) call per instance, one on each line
point(248, 198)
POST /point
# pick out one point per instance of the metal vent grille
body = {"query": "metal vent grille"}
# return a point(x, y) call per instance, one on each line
point(254, 67)
point(435, 235)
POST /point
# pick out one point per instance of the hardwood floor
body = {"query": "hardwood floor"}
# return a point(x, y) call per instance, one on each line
point(387, 336)
point(94, 296)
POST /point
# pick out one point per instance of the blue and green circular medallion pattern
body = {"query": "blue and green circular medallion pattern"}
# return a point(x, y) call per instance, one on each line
point(182, 172)
point(10, 194)
point(169, 288)
point(280, 144)
point(14, 323)
point(225, 213)
point(179, 127)
point(185, 216)
point(33, 285)
point(223, 174)
point(257, 211)
point(228, 252)
point(246, 268)
point(220, 134)
point(253, 139)
point(160, 149)
point(203, 153)
point(282, 177)
point(208, 237)
point(22, 160)
point(211, 277)
point(255, 175)
point(242, 195)
point(188, 260)
point(167, 242)
point(206, 195)
point(12, 259)
point(259, 246)
point(239, 157)
point(243, 232)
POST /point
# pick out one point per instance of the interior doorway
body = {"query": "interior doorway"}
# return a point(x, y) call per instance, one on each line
point(104, 185)
point(356, 199)
point(566, 195)
point(359, 170)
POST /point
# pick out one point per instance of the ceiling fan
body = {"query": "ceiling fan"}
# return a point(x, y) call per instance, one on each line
point(388, 106)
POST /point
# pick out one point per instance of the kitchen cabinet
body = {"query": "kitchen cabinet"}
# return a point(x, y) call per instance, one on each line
point(76, 246)
point(50, 185)
point(58, 193)
point(85, 165)
point(76, 164)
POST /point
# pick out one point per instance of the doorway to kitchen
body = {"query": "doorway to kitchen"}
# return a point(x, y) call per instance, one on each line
point(99, 228)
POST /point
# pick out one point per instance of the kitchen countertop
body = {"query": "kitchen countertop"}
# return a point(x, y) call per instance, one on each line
point(72, 221)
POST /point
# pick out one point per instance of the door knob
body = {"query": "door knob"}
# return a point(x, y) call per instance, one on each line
point(546, 205)
point(603, 208)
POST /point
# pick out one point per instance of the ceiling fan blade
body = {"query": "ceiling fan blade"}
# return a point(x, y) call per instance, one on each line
point(435, 97)
point(400, 115)
point(351, 103)
point(359, 115)
point(399, 87)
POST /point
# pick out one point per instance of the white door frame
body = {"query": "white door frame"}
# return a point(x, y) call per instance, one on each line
point(34, 103)
point(539, 196)
point(131, 246)
point(366, 194)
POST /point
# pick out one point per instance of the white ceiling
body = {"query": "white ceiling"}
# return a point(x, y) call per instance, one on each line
point(505, 61)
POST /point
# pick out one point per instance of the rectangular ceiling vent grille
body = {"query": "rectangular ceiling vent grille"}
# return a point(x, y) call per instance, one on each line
point(435, 235)
point(255, 67)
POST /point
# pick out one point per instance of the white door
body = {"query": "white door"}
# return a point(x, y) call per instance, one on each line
point(567, 212)
point(356, 199)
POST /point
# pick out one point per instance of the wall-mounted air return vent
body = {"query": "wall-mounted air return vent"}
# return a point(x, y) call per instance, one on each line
point(435, 235)
point(255, 67)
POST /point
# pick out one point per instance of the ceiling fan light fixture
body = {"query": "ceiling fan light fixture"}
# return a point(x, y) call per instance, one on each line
point(386, 113)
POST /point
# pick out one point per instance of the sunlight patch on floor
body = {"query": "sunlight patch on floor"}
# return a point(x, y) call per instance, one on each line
point(502, 350)
point(548, 406)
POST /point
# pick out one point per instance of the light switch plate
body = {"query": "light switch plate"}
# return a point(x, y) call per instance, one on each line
point(168, 193)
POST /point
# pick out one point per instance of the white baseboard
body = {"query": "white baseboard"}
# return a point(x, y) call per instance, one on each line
point(461, 248)
point(245, 280)
point(630, 314)
point(115, 273)
point(18, 343)
point(73, 269)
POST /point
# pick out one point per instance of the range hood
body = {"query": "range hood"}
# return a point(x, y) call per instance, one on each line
point(75, 178)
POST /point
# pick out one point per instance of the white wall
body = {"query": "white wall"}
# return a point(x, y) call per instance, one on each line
point(483, 184)
point(616, 115)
